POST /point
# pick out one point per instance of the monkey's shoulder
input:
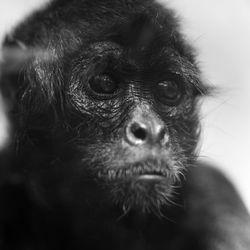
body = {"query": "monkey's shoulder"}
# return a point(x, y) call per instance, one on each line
point(214, 209)
point(205, 181)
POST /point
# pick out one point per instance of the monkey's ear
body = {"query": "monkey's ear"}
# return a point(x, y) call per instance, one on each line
point(13, 42)
point(13, 57)
point(15, 54)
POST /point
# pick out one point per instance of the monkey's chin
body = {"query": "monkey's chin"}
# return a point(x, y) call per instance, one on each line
point(147, 193)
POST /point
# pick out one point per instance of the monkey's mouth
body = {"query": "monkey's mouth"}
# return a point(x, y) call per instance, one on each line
point(146, 170)
point(144, 185)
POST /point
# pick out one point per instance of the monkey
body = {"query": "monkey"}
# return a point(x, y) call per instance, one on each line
point(105, 117)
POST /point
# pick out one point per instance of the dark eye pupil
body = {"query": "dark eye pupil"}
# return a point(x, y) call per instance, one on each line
point(168, 92)
point(103, 84)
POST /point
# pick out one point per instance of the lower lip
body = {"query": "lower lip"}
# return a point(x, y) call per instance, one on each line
point(150, 177)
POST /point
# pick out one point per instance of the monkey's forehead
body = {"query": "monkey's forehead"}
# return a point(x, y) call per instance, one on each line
point(144, 29)
point(134, 24)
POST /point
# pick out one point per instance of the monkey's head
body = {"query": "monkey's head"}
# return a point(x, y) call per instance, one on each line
point(110, 92)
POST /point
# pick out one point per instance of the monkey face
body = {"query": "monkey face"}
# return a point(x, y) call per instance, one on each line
point(139, 125)
point(120, 105)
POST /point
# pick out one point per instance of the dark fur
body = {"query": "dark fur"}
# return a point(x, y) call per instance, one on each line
point(71, 183)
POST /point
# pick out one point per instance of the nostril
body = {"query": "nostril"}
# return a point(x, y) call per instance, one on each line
point(138, 131)
point(163, 137)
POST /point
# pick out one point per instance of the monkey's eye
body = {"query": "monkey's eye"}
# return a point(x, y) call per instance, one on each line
point(169, 92)
point(103, 85)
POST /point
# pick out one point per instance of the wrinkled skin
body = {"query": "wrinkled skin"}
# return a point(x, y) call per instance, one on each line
point(105, 114)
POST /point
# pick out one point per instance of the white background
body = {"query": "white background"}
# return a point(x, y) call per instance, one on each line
point(220, 30)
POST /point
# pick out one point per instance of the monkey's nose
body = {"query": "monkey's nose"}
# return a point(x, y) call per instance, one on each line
point(139, 133)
